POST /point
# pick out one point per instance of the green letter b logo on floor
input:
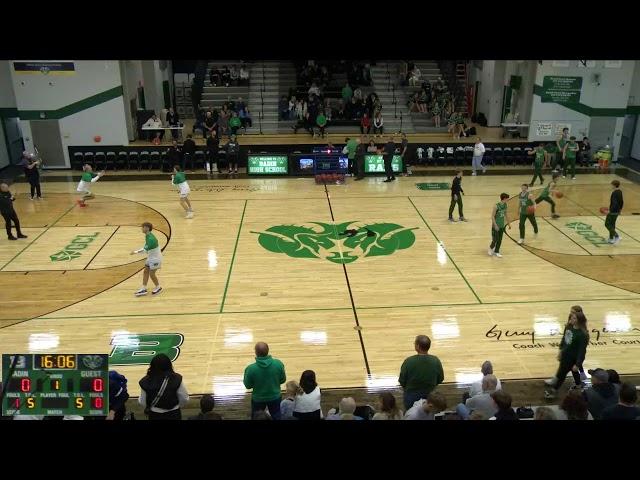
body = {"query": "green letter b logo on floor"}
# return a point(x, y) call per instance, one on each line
point(139, 349)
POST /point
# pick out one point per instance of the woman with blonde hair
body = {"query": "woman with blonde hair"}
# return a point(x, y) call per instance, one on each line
point(286, 406)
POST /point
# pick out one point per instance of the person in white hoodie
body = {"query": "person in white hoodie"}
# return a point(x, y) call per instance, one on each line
point(307, 403)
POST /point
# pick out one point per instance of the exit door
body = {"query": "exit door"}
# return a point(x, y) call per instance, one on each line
point(47, 139)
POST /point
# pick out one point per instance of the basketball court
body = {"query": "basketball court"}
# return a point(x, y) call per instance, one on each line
point(273, 260)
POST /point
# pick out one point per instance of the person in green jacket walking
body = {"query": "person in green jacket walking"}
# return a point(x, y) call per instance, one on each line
point(350, 150)
point(573, 350)
point(265, 377)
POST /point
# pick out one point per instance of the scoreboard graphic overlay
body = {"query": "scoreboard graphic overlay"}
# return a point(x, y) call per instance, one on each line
point(55, 384)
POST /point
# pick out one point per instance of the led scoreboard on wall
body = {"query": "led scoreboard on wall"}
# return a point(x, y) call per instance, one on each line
point(55, 384)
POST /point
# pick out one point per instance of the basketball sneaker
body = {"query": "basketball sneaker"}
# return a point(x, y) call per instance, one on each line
point(189, 214)
point(452, 220)
point(140, 292)
point(550, 382)
point(583, 376)
point(555, 215)
point(156, 290)
point(491, 252)
point(462, 219)
point(498, 254)
point(616, 240)
point(521, 241)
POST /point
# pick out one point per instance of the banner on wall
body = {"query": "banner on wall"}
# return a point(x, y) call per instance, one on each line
point(44, 68)
point(544, 129)
point(613, 64)
point(557, 89)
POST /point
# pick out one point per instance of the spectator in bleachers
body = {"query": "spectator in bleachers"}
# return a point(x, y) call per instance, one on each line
point(234, 75)
point(415, 76)
point(223, 121)
point(420, 374)
point(357, 94)
point(314, 90)
point(283, 108)
point(243, 75)
point(210, 124)
point(291, 109)
point(245, 118)
point(347, 408)
point(601, 394)
point(422, 102)
point(502, 401)
point(173, 120)
point(574, 406)
point(225, 75)
point(240, 104)
point(626, 409)
point(301, 109)
point(481, 401)
point(305, 123)
point(372, 148)
point(118, 396)
point(162, 390)
point(413, 102)
point(234, 123)
point(544, 413)
point(214, 77)
point(199, 123)
point(173, 157)
point(347, 93)
point(388, 408)
point(207, 404)
point(213, 146)
point(477, 415)
point(435, 110)
point(155, 125)
point(188, 152)
point(614, 379)
point(365, 124)
point(264, 377)
point(287, 404)
point(321, 122)
point(307, 403)
point(476, 387)
point(427, 409)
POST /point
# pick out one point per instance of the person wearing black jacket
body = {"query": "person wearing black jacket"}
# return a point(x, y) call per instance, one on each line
point(188, 152)
point(361, 151)
point(615, 207)
point(162, 390)
point(389, 151)
point(233, 149)
point(601, 395)
point(8, 213)
point(503, 403)
point(173, 120)
point(573, 349)
point(213, 145)
point(33, 175)
point(173, 157)
point(456, 197)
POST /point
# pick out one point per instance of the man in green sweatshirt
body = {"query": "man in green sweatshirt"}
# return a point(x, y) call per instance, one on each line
point(265, 377)
point(420, 374)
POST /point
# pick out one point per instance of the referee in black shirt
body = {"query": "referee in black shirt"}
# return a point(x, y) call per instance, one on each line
point(456, 197)
point(8, 213)
point(387, 156)
point(615, 207)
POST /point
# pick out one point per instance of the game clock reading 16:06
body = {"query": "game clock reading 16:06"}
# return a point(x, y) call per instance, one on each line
point(55, 362)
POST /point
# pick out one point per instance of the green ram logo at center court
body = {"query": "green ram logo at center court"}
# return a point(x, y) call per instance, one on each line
point(338, 243)
point(72, 251)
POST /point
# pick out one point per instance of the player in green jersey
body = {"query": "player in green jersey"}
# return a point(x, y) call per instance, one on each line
point(538, 163)
point(525, 201)
point(153, 263)
point(179, 180)
point(499, 221)
point(569, 154)
point(88, 177)
point(545, 195)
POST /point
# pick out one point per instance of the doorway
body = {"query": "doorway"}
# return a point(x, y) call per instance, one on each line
point(47, 139)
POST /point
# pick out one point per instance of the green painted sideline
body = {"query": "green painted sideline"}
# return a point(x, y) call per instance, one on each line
point(591, 111)
point(233, 257)
point(76, 107)
point(446, 252)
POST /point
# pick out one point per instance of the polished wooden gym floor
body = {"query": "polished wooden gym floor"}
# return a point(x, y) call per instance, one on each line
point(264, 260)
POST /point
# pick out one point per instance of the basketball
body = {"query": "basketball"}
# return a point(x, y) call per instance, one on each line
point(604, 210)
point(559, 194)
point(531, 210)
